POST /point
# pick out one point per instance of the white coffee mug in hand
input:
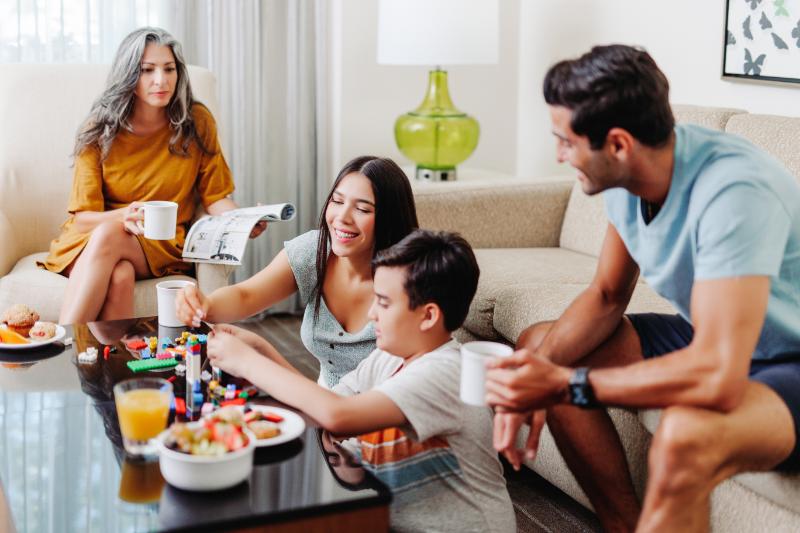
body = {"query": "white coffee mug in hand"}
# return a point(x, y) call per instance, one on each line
point(473, 368)
point(166, 292)
point(160, 220)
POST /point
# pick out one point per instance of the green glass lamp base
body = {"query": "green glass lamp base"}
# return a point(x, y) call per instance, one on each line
point(436, 136)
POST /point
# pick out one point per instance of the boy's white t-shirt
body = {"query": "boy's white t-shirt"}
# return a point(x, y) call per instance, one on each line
point(441, 467)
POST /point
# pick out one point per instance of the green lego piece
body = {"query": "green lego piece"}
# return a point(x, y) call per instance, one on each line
point(144, 365)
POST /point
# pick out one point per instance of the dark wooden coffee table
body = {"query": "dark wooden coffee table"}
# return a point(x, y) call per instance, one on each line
point(63, 468)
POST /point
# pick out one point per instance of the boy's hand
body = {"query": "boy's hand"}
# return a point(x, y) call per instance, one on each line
point(248, 337)
point(506, 428)
point(258, 229)
point(229, 353)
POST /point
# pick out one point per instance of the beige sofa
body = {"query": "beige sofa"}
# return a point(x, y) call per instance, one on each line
point(537, 243)
point(41, 107)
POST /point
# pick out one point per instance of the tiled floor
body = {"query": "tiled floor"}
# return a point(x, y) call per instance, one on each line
point(540, 506)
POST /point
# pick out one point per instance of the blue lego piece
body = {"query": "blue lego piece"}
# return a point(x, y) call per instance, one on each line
point(145, 353)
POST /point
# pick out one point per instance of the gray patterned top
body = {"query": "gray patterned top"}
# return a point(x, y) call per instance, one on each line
point(338, 351)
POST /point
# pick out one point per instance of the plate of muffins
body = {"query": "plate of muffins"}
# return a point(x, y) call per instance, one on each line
point(20, 329)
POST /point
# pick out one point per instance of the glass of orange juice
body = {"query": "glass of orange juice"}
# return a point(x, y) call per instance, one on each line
point(142, 408)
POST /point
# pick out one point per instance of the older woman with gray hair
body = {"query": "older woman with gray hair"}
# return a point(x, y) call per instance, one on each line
point(146, 138)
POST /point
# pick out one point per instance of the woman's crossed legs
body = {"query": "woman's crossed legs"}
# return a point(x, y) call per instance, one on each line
point(102, 278)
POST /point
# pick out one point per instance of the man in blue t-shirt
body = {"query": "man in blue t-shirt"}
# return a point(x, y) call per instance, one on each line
point(713, 225)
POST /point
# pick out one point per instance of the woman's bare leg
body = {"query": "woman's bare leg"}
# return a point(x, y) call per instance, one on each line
point(119, 298)
point(90, 275)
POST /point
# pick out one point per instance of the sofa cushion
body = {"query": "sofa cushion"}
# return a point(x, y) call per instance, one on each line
point(778, 136)
point(506, 269)
point(585, 223)
point(42, 290)
point(519, 307)
point(715, 118)
point(782, 489)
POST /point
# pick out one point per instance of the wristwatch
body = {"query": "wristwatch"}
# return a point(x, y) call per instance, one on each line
point(580, 390)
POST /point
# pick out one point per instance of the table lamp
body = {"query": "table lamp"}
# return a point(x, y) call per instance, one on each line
point(437, 136)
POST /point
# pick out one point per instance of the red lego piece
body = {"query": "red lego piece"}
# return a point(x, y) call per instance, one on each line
point(136, 345)
point(235, 401)
point(171, 379)
point(106, 351)
point(180, 406)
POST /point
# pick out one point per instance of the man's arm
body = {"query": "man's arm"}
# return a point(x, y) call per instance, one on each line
point(594, 315)
point(711, 372)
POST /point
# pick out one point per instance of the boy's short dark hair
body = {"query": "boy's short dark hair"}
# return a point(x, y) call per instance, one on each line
point(609, 87)
point(440, 268)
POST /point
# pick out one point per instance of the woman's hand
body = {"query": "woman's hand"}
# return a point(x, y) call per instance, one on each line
point(230, 353)
point(191, 306)
point(258, 229)
point(132, 216)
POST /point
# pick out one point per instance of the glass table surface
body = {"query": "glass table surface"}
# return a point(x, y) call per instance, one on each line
point(62, 465)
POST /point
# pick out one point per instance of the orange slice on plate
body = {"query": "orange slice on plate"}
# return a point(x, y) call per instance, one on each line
point(12, 337)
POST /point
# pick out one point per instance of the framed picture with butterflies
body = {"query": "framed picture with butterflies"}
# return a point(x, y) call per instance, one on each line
point(762, 40)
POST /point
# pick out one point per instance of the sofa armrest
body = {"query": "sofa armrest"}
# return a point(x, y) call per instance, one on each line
point(212, 277)
point(9, 248)
point(508, 213)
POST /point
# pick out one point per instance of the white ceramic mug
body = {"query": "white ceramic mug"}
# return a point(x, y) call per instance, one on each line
point(166, 292)
point(160, 220)
point(473, 368)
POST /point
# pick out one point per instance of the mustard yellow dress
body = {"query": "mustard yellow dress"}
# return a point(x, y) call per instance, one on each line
point(141, 168)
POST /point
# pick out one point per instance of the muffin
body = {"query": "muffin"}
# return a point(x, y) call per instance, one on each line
point(264, 429)
point(41, 331)
point(20, 319)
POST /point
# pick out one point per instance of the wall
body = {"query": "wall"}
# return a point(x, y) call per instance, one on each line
point(684, 37)
point(366, 98)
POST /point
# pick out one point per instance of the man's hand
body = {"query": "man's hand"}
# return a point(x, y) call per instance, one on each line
point(230, 353)
point(525, 381)
point(506, 428)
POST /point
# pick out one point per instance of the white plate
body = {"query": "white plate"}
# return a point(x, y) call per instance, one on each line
point(60, 333)
point(291, 427)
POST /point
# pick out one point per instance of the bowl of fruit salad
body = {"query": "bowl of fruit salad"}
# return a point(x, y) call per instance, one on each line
point(212, 454)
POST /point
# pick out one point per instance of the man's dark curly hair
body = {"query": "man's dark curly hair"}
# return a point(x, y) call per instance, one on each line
point(614, 86)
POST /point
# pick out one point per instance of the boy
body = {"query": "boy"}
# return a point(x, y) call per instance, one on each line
point(414, 433)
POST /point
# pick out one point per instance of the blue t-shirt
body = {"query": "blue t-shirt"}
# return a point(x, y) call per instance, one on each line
point(732, 210)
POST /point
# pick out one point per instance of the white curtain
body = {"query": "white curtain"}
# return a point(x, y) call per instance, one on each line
point(71, 31)
point(268, 57)
point(269, 61)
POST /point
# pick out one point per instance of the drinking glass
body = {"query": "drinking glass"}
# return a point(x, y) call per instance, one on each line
point(143, 409)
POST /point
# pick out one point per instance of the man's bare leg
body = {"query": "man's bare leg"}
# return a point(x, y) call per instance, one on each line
point(588, 440)
point(695, 449)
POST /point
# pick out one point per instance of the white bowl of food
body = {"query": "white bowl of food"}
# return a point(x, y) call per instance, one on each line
point(206, 455)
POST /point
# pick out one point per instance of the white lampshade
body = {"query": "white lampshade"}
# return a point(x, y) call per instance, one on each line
point(437, 32)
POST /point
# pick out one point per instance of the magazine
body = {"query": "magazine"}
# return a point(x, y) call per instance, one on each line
point(222, 239)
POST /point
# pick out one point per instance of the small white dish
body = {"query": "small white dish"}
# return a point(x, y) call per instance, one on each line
point(60, 334)
point(205, 473)
point(292, 425)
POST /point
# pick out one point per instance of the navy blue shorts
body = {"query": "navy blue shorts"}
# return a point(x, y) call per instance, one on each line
point(661, 334)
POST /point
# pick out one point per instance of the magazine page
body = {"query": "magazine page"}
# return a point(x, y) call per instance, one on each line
point(222, 239)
